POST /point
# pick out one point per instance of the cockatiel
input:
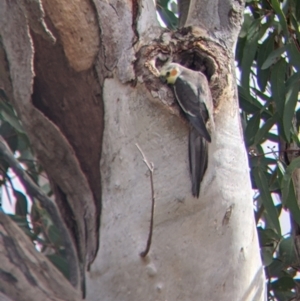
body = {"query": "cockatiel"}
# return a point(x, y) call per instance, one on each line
point(192, 92)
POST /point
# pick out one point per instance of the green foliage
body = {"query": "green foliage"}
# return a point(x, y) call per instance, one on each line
point(167, 11)
point(268, 60)
point(36, 223)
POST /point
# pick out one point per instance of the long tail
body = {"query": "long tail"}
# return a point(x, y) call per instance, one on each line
point(198, 157)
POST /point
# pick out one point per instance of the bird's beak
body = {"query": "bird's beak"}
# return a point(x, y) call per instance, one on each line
point(163, 79)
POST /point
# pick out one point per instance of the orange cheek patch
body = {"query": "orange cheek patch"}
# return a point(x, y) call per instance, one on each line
point(173, 72)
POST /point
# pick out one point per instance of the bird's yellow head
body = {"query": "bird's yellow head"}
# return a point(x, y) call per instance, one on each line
point(169, 73)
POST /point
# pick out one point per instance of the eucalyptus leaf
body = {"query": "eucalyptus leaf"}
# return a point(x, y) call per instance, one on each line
point(275, 269)
point(261, 134)
point(282, 295)
point(249, 53)
point(295, 23)
point(278, 85)
point(291, 203)
point(263, 51)
point(61, 264)
point(248, 103)
point(287, 252)
point(294, 55)
point(260, 161)
point(283, 284)
point(290, 107)
point(274, 57)
point(10, 135)
point(168, 17)
point(263, 187)
point(248, 20)
point(267, 255)
point(268, 237)
point(54, 235)
point(276, 6)
point(290, 169)
point(252, 128)
point(9, 116)
point(21, 203)
point(297, 10)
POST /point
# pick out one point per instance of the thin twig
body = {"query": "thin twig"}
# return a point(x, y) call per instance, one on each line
point(8, 194)
point(276, 152)
point(10, 181)
point(5, 175)
point(150, 166)
point(33, 190)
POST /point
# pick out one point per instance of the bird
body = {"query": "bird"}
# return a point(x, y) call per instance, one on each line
point(192, 92)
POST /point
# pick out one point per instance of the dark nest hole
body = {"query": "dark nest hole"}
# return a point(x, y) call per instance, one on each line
point(193, 59)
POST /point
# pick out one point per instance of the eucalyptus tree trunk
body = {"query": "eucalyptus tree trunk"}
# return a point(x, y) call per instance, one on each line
point(82, 76)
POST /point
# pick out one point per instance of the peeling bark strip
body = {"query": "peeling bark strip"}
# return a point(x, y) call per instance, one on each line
point(26, 274)
point(58, 105)
point(72, 101)
point(77, 26)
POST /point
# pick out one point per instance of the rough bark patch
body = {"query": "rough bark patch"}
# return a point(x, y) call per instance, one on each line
point(72, 101)
point(77, 25)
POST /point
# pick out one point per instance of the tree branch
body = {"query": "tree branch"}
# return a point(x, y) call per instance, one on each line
point(150, 166)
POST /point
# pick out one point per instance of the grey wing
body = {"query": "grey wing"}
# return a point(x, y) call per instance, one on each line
point(189, 99)
point(198, 159)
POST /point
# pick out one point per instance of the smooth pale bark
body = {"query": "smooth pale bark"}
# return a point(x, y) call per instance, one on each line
point(202, 249)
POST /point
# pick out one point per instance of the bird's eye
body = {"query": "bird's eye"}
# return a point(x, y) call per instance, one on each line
point(168, 74)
